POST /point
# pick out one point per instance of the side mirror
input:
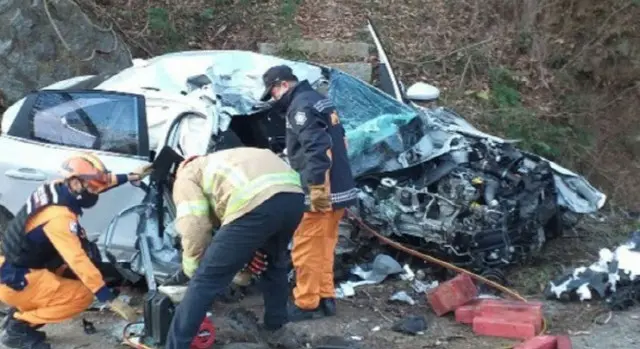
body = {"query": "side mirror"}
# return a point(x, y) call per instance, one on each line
point(423, 92)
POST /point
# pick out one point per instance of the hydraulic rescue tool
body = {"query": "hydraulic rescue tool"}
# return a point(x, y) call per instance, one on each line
point(158, 307)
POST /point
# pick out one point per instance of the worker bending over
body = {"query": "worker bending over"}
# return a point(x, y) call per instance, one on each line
point(256, 200)
point(45, 238)
point(317, 149)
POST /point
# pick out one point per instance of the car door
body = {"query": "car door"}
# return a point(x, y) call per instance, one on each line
point(52, 125)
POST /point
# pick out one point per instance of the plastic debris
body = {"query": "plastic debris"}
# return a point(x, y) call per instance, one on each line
point(422, 287)
point(381, 267)
point(612, 271)
point(402, 296)
point(345, 290)
point(408, 274)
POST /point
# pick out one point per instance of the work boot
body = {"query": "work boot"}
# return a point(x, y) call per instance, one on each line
point(20, 335)
point(296, 314)
point(328, 306)
point(10, 313)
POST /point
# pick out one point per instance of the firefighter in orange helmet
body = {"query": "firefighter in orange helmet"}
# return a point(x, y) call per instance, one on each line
point(42, 241)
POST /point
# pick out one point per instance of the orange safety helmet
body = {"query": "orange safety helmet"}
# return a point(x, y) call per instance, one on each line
point(89, 168)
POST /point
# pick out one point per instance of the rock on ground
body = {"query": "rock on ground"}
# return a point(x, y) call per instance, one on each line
point(33, 55)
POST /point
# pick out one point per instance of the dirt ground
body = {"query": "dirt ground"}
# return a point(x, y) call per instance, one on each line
point(368, 318)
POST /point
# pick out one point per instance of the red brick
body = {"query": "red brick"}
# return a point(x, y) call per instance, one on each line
point(530, 312)
point(503, 327)
point(465, 313)
point(513, 316)
point(452, 294)
point(540, 342)
point(564, 342)
point(494, 306)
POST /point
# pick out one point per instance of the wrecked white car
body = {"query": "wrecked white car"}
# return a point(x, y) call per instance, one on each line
point(426, 176)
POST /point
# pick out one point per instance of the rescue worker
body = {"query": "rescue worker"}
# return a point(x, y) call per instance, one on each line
point(316, 147)
point(256, 200)
point(45, 231)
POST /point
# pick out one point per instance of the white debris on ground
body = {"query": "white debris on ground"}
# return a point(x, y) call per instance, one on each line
point(382, 267)
point(613, 270)
point(402, 296)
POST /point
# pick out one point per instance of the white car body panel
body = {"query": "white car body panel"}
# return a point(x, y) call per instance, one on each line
point(43, 161)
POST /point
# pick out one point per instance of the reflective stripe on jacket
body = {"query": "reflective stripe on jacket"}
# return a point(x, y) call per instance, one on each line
point(316, 144)
point(219, 188)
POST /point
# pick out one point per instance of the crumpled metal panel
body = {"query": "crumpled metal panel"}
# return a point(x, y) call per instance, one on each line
point(236, 75)
point(377, 145)
point(379, 140)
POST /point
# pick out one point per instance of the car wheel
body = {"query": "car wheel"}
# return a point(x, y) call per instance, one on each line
point(5, 217)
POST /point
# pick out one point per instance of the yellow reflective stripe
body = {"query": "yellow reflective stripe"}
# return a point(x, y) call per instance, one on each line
point(233, 175)
point(198, 208)
point(242, 195)
point(189, 266)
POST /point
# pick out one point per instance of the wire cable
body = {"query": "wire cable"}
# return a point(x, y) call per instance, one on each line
point(127, 339)
point(441, 263)
point(400, 247)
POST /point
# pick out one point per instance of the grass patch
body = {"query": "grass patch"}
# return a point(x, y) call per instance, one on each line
point(160, 24)
point(504, 89)
point(288, 10)
point(515, 121)
point(207, 14)
point(287, 16)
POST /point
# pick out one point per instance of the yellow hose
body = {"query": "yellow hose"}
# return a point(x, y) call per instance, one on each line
point(127, 341)
point(441, 263)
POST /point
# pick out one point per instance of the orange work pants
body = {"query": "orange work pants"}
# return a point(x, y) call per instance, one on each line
point(314, 244)
point(48, 298)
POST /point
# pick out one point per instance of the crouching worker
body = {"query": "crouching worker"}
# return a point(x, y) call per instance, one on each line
point(257, 201)
point(45, 231)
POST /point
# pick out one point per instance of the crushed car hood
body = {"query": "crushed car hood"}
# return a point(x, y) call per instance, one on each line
point(384, 135)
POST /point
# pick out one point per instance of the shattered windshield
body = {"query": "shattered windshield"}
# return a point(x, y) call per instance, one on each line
point(378, 127)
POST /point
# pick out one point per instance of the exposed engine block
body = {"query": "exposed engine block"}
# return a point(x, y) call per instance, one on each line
point(486, 212)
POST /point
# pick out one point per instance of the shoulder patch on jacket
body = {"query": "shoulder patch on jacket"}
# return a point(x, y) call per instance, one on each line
point(43, 196)
point(73, 227)
point(323, 105)
point(300, 118)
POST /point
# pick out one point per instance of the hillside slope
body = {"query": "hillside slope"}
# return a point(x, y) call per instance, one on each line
point(563, 75)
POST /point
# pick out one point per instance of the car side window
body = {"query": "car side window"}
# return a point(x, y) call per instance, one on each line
point(88, 120)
